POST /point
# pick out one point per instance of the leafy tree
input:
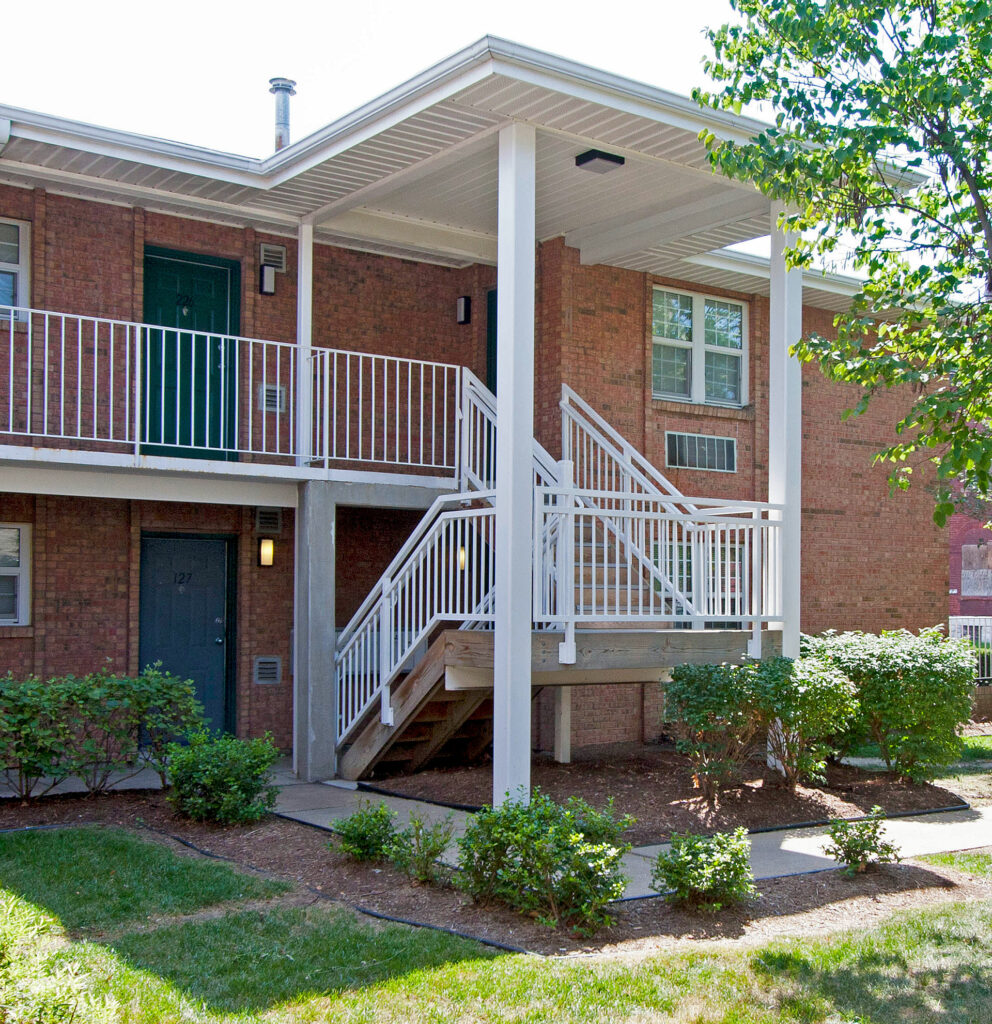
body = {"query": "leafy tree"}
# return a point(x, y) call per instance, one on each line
point(882, 141)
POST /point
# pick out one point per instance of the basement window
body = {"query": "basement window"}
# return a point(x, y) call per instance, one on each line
point(700, 451)
point(700, 348)
point(15, 256)
point(15, 574)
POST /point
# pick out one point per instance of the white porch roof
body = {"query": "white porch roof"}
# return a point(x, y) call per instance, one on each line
point(414, 173)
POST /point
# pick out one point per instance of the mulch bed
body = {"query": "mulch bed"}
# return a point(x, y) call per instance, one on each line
point(655, 785)
point(801, 905)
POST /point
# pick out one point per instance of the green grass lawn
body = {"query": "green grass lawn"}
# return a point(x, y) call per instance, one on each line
point(319, 963)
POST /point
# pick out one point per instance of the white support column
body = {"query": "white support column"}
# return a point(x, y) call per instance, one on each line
point(514, 458)
point(785, 425)
point(304, 342)
point(563, 724)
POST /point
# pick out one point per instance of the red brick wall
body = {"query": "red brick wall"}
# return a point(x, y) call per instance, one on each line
point(965, 529)
point(85, 587)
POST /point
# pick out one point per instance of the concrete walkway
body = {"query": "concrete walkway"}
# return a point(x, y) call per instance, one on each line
point(773, 854)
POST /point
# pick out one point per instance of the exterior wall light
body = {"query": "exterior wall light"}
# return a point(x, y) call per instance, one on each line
point(598, 162)
point(266, 280)
point(461, 558)
point(463, 309)
point(266, 550)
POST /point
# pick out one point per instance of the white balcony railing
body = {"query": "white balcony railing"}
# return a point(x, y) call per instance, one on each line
point(99, 384)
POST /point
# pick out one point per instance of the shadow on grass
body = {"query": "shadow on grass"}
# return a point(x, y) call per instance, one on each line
point(253, 961)
point(95, 879)
point(933, 967)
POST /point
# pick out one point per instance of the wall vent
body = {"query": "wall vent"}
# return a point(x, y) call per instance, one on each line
point(268, 669)
point(272, 255)
point(268, 521)
point(272, 398)
point(700, 451)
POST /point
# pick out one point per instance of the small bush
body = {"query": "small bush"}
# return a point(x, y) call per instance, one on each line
point(93, 727)
point(715, 717)
point(417, 849)
point(803, 704)
point(222, 778)
point(706, 872)
point(859, 844)
point(559, 863)
point(368, 833)
point(914, 692)
point(34, 738)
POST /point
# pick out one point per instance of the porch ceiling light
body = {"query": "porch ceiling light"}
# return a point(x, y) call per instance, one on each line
point(599, 162)
point(266, 550)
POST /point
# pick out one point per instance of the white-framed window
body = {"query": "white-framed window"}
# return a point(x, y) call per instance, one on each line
point(15, 574)
point(700, 451)
point(15, 263)
point(700, 348)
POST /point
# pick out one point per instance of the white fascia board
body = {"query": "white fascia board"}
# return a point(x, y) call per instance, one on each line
point(757, 266)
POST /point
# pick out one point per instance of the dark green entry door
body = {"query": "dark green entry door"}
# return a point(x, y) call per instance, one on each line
point(185, 617)
point(491, 340)
point(190, 373)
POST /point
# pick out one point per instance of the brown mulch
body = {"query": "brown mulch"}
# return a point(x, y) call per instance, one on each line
point(655, 785)
point(800, 905)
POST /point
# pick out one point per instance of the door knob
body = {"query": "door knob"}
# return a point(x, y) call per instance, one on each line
point(218, 639)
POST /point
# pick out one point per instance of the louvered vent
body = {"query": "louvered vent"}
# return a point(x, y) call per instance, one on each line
point(268, 669)
point(271, 398)
point(700, 451)
point(268, 521)
point(270, 255)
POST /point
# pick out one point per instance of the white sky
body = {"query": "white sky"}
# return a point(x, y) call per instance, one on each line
point(198, 71)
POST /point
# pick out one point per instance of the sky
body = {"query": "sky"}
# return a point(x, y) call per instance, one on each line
point(198, 72)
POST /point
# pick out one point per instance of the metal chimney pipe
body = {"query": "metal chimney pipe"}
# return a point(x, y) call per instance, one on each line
point(282, 88)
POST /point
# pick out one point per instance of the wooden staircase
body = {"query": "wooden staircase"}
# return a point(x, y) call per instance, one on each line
point(442, 710)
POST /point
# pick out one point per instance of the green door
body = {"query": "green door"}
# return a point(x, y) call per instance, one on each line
point(190, 373)
point(491, 340)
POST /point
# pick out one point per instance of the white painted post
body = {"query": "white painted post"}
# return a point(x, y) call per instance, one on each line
point(304, 342)
point(566, 562)
point(563, 724)
point(785, 425)
point(785, 433)
point(514, 473)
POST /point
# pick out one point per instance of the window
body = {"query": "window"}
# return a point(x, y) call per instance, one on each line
point(15, 574)
point(700, 451)
point(700, 352)
point(15, 253)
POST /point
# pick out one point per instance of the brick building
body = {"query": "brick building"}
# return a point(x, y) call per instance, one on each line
point(249, 421)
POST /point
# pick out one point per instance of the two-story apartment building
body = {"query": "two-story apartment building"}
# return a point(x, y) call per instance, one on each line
point(452, 424)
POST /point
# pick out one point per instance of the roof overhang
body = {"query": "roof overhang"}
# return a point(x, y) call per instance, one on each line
point(414, 172)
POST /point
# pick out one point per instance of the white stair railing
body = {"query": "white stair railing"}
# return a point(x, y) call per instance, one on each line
point(725, 553)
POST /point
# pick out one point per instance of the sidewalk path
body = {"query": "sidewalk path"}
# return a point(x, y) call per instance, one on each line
point(773, 854)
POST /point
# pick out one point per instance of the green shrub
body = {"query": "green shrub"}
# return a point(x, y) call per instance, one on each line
point(803, 704)
point(707, 872)
point(34, 738)
point(559, 863)
point(366, 834)
point(716, 716)
point(93, 727)
point(417, 849)
point(913, 693)
point(859, 844)
point(221, 778)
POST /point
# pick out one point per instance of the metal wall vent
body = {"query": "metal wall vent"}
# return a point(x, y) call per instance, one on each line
point(268, 521)
point(272, 255)
point(700, 451)
point(268, 669)
point(272, 398)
